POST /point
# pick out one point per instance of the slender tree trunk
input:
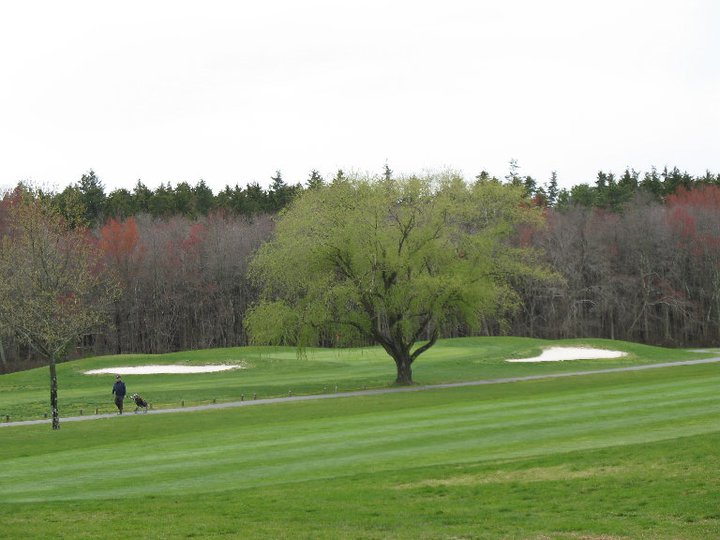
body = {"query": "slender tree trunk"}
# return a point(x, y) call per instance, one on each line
point(53, 395)
point(118, 346)
point(3, 360)
point(717, 306)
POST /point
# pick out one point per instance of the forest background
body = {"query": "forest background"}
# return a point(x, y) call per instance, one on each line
point(637, 255)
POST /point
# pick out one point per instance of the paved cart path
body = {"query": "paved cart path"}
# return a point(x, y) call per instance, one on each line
point(377, 391)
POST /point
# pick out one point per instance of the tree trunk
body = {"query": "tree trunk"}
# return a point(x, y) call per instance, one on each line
point(118, 346)
point(3, 360)
point(53, 395)
point(404, 370)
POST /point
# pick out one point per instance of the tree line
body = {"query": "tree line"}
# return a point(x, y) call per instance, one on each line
point(86, 202)
point(647, 272)
point(634, 257)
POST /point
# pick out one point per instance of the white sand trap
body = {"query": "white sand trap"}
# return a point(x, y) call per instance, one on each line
point(167, 368)
point(555, 354)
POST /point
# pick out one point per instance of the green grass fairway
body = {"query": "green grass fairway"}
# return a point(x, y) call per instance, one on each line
point(620, 455)
point(276, 371)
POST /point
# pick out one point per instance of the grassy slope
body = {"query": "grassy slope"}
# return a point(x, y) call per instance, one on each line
point(276, 371)
point(619, 455)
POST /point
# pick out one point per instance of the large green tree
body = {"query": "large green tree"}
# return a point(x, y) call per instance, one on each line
point(52, 286)
point(391, 261)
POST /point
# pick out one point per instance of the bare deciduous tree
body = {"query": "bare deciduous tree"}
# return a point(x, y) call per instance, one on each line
point(53, 289)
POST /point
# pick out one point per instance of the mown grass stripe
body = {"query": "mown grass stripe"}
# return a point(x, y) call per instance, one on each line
point(450, 420)
point(298, 450)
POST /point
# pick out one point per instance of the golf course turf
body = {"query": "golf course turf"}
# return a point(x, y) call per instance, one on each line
point(614, 455)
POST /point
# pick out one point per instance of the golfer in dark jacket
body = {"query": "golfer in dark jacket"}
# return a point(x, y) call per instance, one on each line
point(119, 391)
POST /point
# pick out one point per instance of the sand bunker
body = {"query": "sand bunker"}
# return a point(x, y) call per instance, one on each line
point(555, 354)
point(167, 368)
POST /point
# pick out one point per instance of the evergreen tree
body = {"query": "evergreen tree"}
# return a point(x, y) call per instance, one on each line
point(203, 198)
point(628, 184)
point(484, 177)
point(280, 193)
point(142, 196)
point(224, 198)
point(583, 195)
point(552, 189)
point(513, 176)
point(256, 200)
point(162, 203)
point(652, 184)
point(119, 204)
point(185, 200)
point(339, 177)
point(315, 181)
point(530, 186)
point(674, 179)
point(563, 200)
point(709, 178)
point(93, 197)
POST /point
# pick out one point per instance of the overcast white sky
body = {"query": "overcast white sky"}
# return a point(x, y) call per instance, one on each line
point(231, 91)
